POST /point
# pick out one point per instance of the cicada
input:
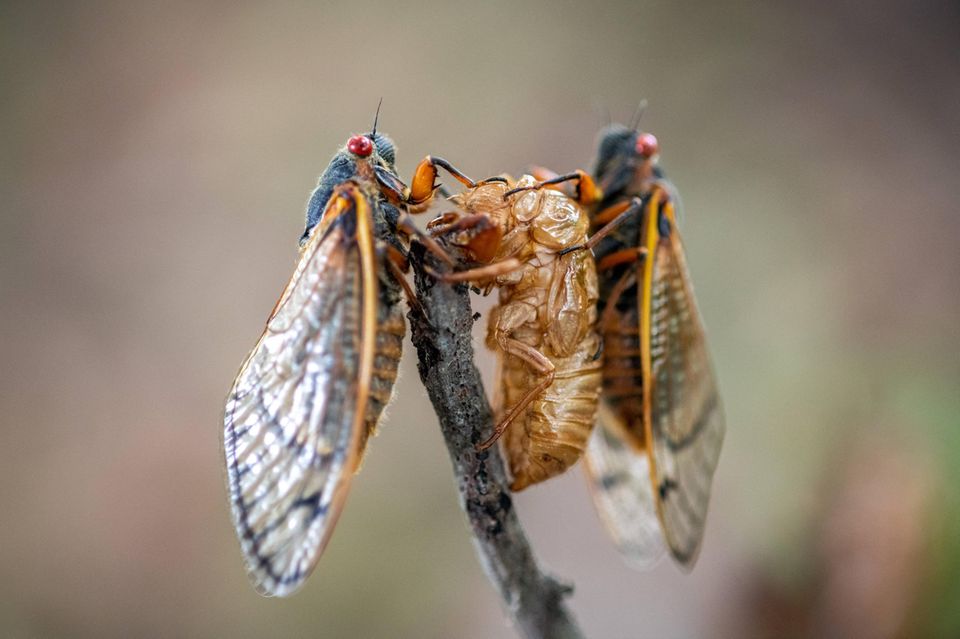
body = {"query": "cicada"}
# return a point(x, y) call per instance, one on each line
point(310, 393)
point(527, 241)
point(662, 419)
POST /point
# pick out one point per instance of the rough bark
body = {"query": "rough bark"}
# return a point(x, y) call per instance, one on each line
point(442, 336)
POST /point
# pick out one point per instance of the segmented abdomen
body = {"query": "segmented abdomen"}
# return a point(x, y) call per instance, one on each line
point(391, 329)
point(551, 435)
point(622, 368)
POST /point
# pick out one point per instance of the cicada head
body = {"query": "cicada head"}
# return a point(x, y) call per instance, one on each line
point(626, 160)
point(615, 156)
point(377, 148)
point(357, 159)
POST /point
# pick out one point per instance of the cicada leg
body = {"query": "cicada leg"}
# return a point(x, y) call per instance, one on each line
point(628, 279)
point(405, 225)
point(418, 196)
point(587, 190)
point(543, 174)
point(613, 217)
point(612, 212)
point(398, 265)
point(445, 223)
point(481, 273)
point(540, 363)
point(476, 235)
point(623, 256)
point(424, 182)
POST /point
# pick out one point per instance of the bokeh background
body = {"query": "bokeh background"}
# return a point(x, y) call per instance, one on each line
point(156, 161)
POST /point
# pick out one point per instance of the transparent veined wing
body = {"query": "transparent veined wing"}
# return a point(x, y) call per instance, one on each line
point(623, 494)
point(684, 418)
point(293, 422)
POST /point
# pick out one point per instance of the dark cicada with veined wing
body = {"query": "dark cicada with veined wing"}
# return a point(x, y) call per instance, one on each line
point(662, 420)
point(310, 393)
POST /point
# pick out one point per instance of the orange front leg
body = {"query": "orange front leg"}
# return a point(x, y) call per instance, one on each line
point(424, 182)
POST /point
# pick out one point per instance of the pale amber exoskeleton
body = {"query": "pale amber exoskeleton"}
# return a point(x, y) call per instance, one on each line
point(529, 242)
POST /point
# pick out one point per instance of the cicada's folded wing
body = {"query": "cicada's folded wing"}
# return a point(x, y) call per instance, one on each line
point(294, 419)
point(619, 477)
point(685, 420)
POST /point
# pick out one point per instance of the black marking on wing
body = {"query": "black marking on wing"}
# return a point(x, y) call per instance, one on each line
point(290, 436)
point(666, 485)
point(686, 414)
point(623, 493)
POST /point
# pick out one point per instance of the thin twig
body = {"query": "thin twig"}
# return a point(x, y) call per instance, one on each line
point(443, 341)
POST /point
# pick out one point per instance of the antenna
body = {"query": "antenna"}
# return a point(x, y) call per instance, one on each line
point(637, 114)
point(602, 109)
point(373, 133)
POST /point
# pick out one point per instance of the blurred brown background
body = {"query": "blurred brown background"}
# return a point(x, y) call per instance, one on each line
point(156, 161)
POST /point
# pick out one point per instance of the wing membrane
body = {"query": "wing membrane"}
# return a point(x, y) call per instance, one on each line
point(294, 418)
point(685, 423)
point(623, 493)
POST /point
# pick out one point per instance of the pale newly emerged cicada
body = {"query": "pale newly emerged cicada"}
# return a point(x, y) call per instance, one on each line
point(310, 393)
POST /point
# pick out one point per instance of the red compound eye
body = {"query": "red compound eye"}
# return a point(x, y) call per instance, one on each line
point(360, 145)
point(647, 145)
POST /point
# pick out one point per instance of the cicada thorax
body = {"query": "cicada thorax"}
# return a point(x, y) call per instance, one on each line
point(543, 328)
